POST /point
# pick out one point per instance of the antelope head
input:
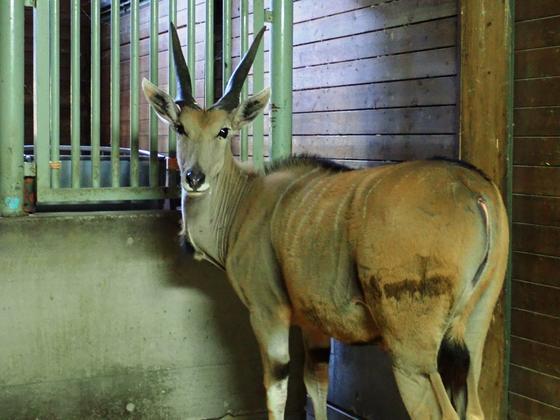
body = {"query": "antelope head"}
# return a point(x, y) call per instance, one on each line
point(204, 134)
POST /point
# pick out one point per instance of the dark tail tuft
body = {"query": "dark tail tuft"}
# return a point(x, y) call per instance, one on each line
point(453, 365)
point(185, 245)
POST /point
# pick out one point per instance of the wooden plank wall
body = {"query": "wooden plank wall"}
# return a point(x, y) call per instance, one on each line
point(535, 325)
point(374, 80)
point(388, 78)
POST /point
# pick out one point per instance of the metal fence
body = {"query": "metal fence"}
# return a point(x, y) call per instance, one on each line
point(132, 174)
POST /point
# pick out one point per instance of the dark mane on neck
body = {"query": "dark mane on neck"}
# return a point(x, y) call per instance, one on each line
point(298, 161)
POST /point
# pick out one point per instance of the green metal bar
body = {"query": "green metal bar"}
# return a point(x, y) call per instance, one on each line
point(244, 35)
point(209, 63)
point(95, 93)
point(75, 91)
point(281, 72)
point(55, 90)
point(11, 107)
point(84, 195)
point(191, 43)
point(115, 92)
point(226, 42)
point(172, 139)
point(134, 91)
point(154, 50)
point(41, 92)
point(258, 85)
point(509, 203)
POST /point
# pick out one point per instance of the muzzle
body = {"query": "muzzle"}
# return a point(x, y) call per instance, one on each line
point(194, 182)
point(195, 178)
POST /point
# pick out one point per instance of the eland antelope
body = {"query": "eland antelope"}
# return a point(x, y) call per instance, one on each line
point(411, 255)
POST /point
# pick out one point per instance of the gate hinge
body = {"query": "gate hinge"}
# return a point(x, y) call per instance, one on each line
point(268, 15)
point(30, 3)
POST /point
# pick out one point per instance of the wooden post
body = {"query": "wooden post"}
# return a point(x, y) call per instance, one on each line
point(485, 141)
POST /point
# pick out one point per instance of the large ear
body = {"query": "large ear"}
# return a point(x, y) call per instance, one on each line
point(250, 108)
point(163, 104)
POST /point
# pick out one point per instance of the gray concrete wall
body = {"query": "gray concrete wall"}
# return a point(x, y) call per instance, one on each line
point(100, 312)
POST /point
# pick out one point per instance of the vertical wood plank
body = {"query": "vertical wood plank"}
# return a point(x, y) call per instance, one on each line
point(485, 130)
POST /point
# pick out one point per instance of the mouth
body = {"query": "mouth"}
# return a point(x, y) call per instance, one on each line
point(199, 192)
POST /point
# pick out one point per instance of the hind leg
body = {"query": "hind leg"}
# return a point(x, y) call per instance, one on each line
point(316, 371)
point(415, 359)
point(475, 337)
point(424, 395)
point(475, 331)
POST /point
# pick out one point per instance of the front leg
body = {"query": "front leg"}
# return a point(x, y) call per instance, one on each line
point(316, 371)
point(272, 329)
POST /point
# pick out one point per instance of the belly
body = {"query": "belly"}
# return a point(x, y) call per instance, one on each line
point(341, 314)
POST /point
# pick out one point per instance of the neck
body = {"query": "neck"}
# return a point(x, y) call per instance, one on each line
point(209, 219)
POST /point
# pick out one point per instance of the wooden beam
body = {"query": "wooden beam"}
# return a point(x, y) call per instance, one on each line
point(485, 140)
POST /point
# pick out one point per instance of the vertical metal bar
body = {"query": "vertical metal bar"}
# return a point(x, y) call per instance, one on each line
point(191, 43)
point(172, 140)
point(226, 42)
point(258, 85)
point(115, 93)
point(154, 50)
point(281, 72)
point(95, 93)
point(55, 90)
point(11, 107)
point(209, 54)
point(244, 35)
point(41, 93)
point(75, 91)
point(134, 91)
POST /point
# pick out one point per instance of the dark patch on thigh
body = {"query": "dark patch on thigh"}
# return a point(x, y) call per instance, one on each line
point(429, 287)
point(373, 290)
point(319, 355)
point(280, 371)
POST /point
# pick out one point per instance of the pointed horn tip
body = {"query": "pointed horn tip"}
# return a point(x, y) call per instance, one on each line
point(230, 98)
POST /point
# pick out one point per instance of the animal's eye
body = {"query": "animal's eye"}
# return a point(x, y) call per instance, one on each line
point(223, 132)
point(180, 129)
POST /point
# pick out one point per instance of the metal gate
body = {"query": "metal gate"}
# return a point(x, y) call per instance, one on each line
point(133, 174)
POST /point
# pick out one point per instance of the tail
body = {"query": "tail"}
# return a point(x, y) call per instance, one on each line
point(453, 365)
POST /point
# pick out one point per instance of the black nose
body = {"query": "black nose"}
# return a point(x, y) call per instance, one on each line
point(195, 178)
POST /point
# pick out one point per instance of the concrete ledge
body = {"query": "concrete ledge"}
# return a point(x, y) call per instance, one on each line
point(103, 310)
